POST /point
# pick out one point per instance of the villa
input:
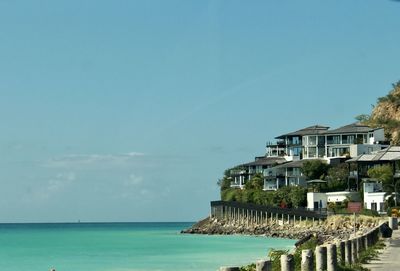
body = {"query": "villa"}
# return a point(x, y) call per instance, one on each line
point(318, 142)
point(283, 159)
point(374, 197)
point(360, 146)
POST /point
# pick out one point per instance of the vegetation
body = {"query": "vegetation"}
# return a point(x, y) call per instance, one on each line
point(337, 177)
point(366, 256)
point(315, 169)
point(386, 114)
point(384, 174)
point(288, 196)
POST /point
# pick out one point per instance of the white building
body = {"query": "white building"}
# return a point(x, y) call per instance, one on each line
point(318, 200)
point(374, 197)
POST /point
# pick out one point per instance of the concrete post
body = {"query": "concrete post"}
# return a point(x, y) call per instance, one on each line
point(376, 235)
point(331, 257)
point(263, 265)
point(320, 258)
point(363, 243)
point(287, 263)
point(359, 246)
point(341, 246)
point(393, 223)
point(354, 252)
point(348, 257)
point(307, 261)
point(229, 268)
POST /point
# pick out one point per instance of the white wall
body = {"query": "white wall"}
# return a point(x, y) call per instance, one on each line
point(342, 195)
point(376, 197)
point(316, 197)
point(358, 149)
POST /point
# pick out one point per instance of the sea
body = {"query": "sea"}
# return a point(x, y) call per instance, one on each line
point(125, 247)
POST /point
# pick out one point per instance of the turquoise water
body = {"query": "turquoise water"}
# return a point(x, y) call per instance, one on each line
point(124, 247)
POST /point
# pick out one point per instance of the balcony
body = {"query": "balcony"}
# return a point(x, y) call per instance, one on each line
point(237, 172)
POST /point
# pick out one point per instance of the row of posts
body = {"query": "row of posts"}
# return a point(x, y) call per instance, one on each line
point(326, 257)
point(241, 215)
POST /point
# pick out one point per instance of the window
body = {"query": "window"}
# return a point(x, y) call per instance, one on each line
point(296, 151)
point(321, 141)
point(381, 206)
point(296, 140)
point(296, 172)
point(312, 152)
point(321, 152)
point(312, 140)
point(333, 139)
point(373, 206)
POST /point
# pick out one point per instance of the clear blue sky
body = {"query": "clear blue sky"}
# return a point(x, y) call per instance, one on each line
point(131, 110)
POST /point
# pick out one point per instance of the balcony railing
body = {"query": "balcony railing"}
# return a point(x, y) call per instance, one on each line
point(238, 172)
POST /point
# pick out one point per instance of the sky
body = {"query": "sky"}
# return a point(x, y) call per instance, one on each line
point(132, 110)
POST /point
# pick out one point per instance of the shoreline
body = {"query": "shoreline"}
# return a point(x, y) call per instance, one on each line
point(337, 227)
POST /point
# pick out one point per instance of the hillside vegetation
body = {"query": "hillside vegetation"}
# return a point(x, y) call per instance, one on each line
point(386, 114)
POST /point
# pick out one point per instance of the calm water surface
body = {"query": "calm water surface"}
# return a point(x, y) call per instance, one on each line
point(124, 247)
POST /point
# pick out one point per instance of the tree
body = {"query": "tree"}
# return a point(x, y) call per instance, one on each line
point(384, 174)
point(256, 182)
point(314, 169)
point(337, 177)
point(298, 196)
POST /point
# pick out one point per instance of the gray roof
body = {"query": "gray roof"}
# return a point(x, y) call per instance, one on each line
point(389, 154)
point(353, 128)
point(312, 130)
point(266, 161)
point(295, 164)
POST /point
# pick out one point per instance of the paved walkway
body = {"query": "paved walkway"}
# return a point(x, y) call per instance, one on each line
point(389, 259)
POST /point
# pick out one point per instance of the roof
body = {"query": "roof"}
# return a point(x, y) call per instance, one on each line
point(292, 164)
point(353, 128)
point(266, 161)
point(312, 130)
point(295, 164)
point(389, 154)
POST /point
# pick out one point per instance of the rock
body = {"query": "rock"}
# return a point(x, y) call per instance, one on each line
point(385, 230)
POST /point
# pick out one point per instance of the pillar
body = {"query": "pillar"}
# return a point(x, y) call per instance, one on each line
point(359, 246)
point(341, 246)
point(320, 258)
point(393, 224)
point(331, 257)
point(229, 268)
point(354, 252)
point(307, 260)
point(348, 252)
point(287, 263)
point(263, 265)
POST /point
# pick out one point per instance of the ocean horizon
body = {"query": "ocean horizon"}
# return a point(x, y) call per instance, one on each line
point(125, 246)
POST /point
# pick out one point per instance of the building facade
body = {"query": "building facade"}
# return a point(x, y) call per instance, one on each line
point(283, 159)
